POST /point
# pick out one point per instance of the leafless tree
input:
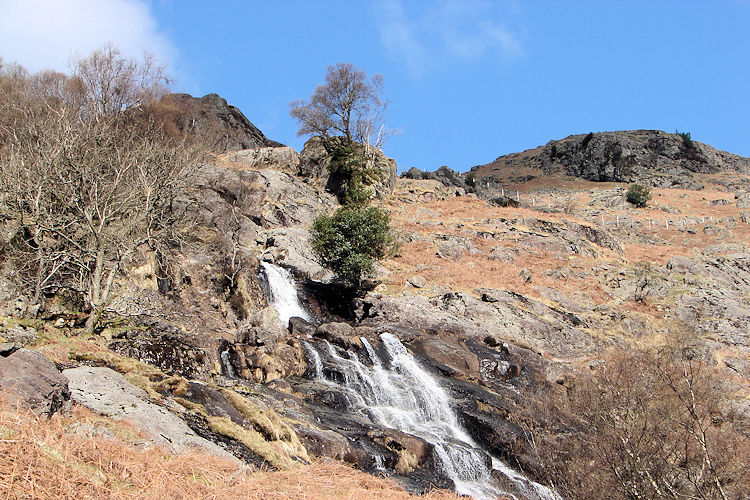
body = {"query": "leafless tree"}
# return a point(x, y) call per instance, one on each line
point(348, 104)
point(84, 192)
point(111, 83)
point(647, 424)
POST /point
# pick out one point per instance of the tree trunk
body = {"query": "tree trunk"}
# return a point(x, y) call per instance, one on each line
point(93, 320)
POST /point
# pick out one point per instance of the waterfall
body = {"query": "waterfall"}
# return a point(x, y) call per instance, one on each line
point(399, 394)
point(283, 293)
point(227, 364)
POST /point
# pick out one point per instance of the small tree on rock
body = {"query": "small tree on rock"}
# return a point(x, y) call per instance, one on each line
point(346, 112)
point(348, 104)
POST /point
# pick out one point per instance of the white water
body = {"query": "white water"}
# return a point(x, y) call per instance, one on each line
point(403, 397)
point(227, 364)
point(407, 398)
point(283, 293)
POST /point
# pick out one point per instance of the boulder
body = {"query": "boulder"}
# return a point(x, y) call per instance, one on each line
point(525, 275)
point(451, 354)
point(315, 161)
point(324, 443)
point(341, 334)
point(502, 253)
point(743, 200)
point(105, 391)
point(417, 281)
point(20, 335)
point(31, 380)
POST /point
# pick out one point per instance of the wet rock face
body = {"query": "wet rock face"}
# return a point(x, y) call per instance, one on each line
point(341, 334)
point(452, 357)
point(166, 347)
point(31, 380)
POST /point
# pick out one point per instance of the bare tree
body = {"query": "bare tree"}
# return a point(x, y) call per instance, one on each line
point(84, 193)
point(111, 83)
point(647, 424)
point(348, 104)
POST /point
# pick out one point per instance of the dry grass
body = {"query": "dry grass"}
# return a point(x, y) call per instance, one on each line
point(462, 216)
point(466, 216)
point(43, 459)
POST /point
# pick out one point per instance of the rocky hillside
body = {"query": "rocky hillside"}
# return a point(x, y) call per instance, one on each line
point(531, 318)
point(211, 121)
point(650, 157)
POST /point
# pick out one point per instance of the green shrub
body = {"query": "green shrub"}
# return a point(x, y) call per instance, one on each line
point(687, 141)
point(350, 241)
point(638, 195)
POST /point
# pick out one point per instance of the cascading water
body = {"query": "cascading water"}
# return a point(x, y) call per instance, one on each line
point(283, 293)
point(405, 397)
point(399, 394)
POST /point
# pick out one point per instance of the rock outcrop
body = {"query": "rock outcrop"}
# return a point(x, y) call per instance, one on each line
point(29, 379)
point(649, 157)
point(213, 122)
point(107, 392)
point(315, 161)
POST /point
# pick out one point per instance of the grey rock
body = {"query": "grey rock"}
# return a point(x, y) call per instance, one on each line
point(8, 348)
point(454, 358)
point(525, 275)
point(449, 250)
point(316, 158)
point(33, 381)
point(501, 314)
point(417, 281)
point(649, 157)
point(290, 247)
point(107, 392)
point(20, 335)
point(502, 253)
point(741, 366)
point(282, 158)
point(680, 264)
point(562, 299)
point(263, 328)
point(324, 443)
point(743, 200)
point(342, 334)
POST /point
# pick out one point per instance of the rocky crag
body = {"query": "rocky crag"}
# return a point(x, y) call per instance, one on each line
point(507, 307)
point(212, 121)
point(650, 157)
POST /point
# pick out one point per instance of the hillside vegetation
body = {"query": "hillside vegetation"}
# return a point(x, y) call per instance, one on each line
point(596, 347)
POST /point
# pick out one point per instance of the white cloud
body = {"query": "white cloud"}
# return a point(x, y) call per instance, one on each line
point(444, 32)
point(45, 34)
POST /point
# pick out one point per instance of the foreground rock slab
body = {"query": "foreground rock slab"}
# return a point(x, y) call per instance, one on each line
point(29, 379)
point(105, 391)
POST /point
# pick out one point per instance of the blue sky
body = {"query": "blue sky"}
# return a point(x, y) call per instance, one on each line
point(467, 80)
